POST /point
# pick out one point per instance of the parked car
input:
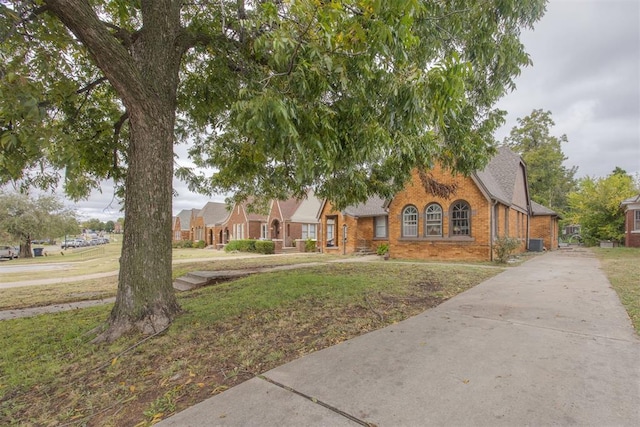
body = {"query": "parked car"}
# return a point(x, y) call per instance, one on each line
point(8, 252)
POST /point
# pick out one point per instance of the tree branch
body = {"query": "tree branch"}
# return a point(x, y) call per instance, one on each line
point(117, 129)
point(91, 86)
point(107, 50)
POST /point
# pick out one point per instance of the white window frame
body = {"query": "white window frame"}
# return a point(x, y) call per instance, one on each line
point(380, 227)
point(433, 216)
point(410, 219)
point(309, 231)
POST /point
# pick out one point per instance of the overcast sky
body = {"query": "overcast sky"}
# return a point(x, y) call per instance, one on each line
point(586, 71)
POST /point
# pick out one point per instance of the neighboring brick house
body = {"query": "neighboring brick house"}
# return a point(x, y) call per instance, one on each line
point(631, 208)
point(366, 227)
point(486, 205)
point(303, 223)
point(545, 225)
point(278, 226)
point(182, 225)
point(286, 221)
point(207, 222)
point(241, 224)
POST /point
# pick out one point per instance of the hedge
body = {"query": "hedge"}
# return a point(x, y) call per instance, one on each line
point(251, 245)
point(265, 247)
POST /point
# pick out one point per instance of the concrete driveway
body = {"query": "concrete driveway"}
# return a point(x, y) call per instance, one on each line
point(544, 343)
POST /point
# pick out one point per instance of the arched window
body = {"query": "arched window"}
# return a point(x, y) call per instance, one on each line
point(410, 221)
point(433, 220)
point(460, 219)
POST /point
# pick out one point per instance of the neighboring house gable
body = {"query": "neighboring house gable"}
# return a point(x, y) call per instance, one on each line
point(631, 208)
point(182, 225)
point(212, 214)
point(241, 224)
point(303, 222)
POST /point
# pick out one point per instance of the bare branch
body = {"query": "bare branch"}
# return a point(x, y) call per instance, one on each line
point(91, 86)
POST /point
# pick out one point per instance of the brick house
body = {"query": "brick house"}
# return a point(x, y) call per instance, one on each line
point(631, 207)
point(303, 224)
point(278, 226)
point(240, 224)
point(545, 225)
point(364, 226)
point(419, 224)
point(206, 222)
point(182, 225)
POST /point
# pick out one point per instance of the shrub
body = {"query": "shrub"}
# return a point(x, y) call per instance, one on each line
point(265, 247)
point(201, 244)
point(310, 245)
point(382, 249)
point(245, 245)
point(182, 244)
point(504, 248)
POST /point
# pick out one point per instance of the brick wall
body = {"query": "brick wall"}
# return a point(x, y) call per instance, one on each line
point(237, 216)
point(545, 227)
point(632, 237)
point(294, 232)
point(474, 247)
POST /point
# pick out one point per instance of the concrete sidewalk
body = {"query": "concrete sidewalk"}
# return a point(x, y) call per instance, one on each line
point(545, 343)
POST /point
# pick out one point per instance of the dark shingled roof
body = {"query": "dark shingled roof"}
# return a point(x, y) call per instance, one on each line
point(288, 207)
point(185, 218)
point(538, 209)
point(499, 176)
point(372, 207)
point(214, 213)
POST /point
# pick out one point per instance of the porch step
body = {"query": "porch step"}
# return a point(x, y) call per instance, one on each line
point(198, 279)
point(364, 252)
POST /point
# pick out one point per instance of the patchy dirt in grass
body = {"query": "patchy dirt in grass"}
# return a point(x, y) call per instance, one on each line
point(137, 385)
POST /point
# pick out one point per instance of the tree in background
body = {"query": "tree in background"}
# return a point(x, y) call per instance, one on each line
point(24, 219)
point(109, 226)
point(93, 224)
point(595, 205)
point(549, 180)
point(345, 97)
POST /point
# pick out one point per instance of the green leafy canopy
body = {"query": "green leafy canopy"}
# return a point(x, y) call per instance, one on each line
point(275, 97)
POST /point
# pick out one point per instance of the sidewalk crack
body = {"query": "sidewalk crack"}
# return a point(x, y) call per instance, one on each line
point(318, 402)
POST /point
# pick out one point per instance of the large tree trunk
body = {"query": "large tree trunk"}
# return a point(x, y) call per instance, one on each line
point(145, 301)
point(144, 72)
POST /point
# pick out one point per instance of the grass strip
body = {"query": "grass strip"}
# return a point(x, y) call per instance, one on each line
point(50, 374)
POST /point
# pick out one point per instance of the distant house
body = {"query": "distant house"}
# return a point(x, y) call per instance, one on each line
point(240, 224)
point(417, 223)
point(205, 225)
point(631, 208)
point(545, 225)
point(182, 225)
point(304, 224)
point(278, 226)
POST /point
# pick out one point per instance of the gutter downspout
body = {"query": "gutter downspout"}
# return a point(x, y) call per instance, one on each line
point(492, 225)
